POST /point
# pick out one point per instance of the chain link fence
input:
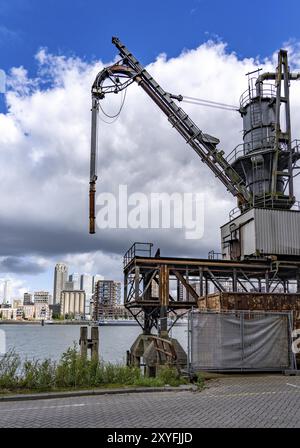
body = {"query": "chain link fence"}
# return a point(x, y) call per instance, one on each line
point(240, 341)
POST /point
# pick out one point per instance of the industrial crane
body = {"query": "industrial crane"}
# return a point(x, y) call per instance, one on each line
point(259, 172)
point(128, 70)
point(260, 246)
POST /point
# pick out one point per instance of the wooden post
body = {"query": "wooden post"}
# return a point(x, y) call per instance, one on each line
point(128, 358)
point(83, 341)
point(95, 342)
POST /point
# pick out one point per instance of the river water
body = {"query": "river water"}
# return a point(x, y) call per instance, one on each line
point(50, 341)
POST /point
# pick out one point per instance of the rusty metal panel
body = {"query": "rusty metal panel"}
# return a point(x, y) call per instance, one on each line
point(253, 302)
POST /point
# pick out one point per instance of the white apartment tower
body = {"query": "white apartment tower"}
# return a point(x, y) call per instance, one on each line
point(86, 285)
point(60, 278)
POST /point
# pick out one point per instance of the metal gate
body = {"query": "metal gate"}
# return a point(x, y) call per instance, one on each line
point(240, 341)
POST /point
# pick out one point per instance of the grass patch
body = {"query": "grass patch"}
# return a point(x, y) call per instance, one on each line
point(72, 372)
point(200, 381)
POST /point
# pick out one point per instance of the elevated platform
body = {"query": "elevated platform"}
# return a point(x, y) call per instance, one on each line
point(157, 287)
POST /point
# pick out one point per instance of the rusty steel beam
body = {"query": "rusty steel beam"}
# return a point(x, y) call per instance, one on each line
point(246, 275)
point(188, 287)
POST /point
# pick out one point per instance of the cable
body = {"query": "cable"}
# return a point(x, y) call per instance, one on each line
point(119, 111)
point(217, 103)
point(210, 105)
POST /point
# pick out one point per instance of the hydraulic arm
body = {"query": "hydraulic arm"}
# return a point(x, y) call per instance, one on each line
point(118, 77)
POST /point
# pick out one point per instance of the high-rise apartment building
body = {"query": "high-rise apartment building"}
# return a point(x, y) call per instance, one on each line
point(86, 284)
point(106, 298)
point(60, 278)
point(109, 292)
point(96, 279)
point(7, 291)
point(69, 286)
point(75, 278)
point(27, 299)
point(42, 297)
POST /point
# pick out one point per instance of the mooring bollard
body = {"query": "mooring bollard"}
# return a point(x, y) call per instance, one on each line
point(83, 341)
point(91, 344)
point(95, 342)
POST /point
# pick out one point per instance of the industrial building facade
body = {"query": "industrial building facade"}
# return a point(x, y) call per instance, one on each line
point(72, 304)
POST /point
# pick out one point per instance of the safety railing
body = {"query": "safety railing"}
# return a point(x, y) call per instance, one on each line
point(250, 147)
point(234, 213)
point(137, 249)
point(212, 255)
point(262, 90)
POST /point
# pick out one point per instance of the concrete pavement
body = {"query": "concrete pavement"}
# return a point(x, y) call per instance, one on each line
point(229, 402)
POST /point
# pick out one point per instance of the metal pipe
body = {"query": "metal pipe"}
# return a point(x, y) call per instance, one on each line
point(272, 76)
point(92, 207)
point(93, 164)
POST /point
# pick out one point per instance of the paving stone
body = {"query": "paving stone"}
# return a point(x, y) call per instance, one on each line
point(236, 401)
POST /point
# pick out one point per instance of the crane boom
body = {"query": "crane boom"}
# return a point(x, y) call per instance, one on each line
point(205, 145)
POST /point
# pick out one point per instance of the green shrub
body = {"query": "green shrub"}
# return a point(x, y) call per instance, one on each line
point(9, 366)
point(200, 381)
point(171, 376)
point(74, 371)
point(38, 375)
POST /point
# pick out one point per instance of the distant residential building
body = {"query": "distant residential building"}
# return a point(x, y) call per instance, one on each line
point(106, 298)
point(42, 297)
point(42, 311)
point(110, 312)
point(72, 303)
point(27, 299)
point(55, 309)
point(28, 312)
point(7, 291)
point(69, 286)
point(154, 289)
point(86, 284)
point(75, 278)
point(60, 278)
point(109, 292)
point(8, 313)
point(5, 305)
point(19, 313)
point(17, 303)
point(185, 296)
point(96, 278)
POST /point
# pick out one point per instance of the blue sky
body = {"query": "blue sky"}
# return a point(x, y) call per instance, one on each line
point(83, 28)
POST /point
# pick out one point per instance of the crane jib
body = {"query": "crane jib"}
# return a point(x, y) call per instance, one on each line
point(223, 170)
point(204, 145)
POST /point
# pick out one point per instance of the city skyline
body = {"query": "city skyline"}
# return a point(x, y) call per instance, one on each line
point(75, 296)
point(6, 286)
point(54, 224)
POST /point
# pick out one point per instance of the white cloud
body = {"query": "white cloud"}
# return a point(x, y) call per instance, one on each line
point(16, 288)
point(44, 153)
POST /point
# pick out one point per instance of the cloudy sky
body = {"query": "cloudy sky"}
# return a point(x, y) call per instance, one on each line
point(51, 55)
